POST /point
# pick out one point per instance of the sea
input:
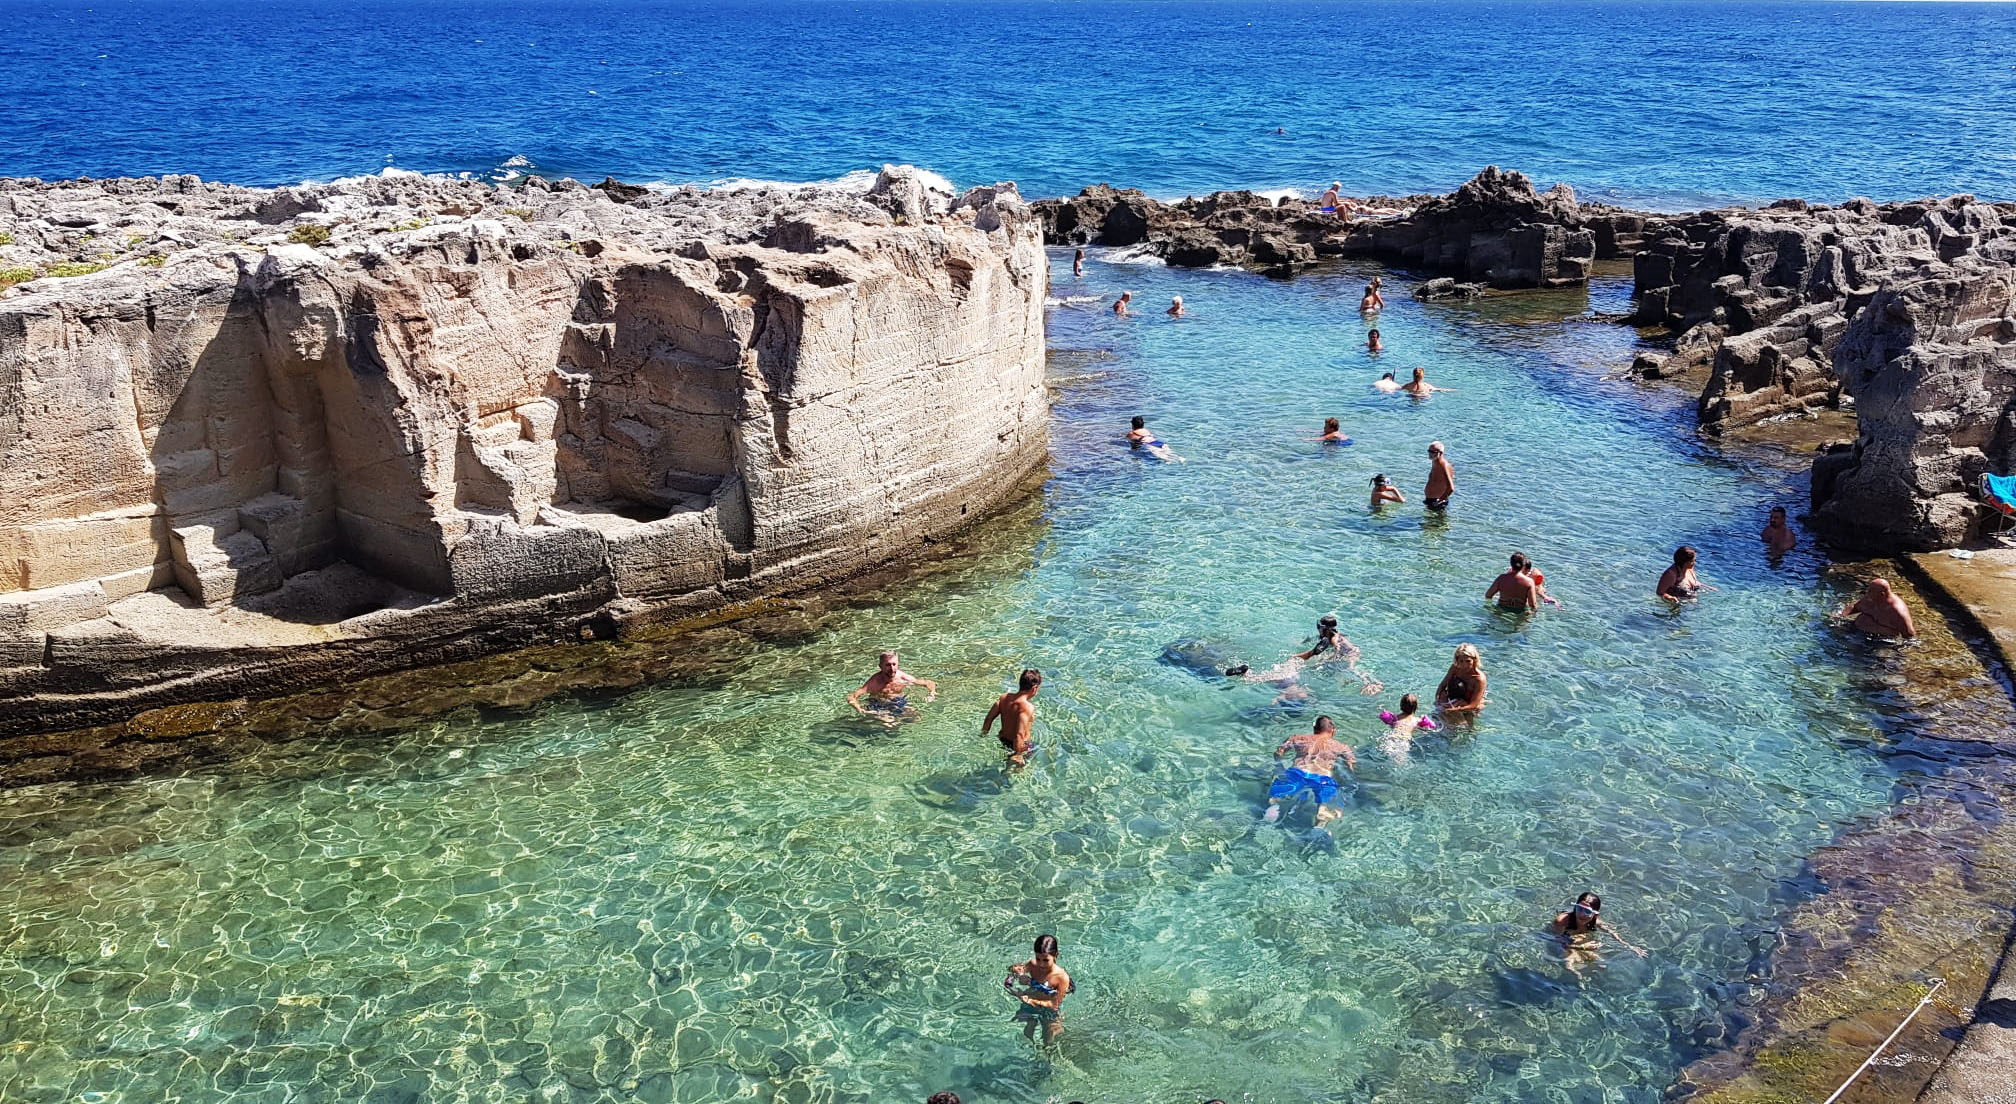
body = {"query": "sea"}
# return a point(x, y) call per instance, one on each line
point(721, 884)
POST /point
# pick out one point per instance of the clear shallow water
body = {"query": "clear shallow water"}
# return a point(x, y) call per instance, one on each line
point(1653, 103)
point(729, 888)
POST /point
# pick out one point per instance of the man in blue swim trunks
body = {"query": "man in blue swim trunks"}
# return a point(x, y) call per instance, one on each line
point(1316, 755)
point(885, 691)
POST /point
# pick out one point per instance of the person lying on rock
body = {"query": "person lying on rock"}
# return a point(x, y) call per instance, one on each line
point(885, 691)
point(1879, 612)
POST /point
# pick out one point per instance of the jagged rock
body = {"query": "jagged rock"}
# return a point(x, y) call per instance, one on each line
point(1445, 287)
point(253, 460)
point(620, 192)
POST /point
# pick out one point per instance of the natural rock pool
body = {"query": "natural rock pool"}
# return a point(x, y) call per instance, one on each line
point(725, 886)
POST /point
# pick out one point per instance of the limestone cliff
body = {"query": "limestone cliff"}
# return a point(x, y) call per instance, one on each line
point(334, 429)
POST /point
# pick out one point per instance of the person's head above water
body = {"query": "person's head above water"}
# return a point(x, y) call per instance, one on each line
point(1329, 425)
point(1372, 334)
point(1126, 296)
point(1379, 480)
point(1045, 951)
point(1140, 422)
point(1519, 561)
point(1408, 704)
point(888, 662)
point(1325, 724)
point(1683, 556)
point(1032, 679)
point(1420, 374)
point(1326, 623)
point(1879, 588)
point(1777, 515)
point(1434, 447)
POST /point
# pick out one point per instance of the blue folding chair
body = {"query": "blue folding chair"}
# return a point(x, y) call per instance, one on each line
point(1999, 492)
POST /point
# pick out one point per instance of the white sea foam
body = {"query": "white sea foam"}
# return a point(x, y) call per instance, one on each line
point(1129, 254)
point(854, 183)
point(1276, 195)
point(1070, 300)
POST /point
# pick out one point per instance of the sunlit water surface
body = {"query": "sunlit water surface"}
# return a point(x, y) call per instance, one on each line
point(736, 890)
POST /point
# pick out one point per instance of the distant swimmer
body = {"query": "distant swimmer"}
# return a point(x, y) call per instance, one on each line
point(1044, 987)
point(1515, 590)
point(1387, 383)
point(1578, 930)
point(1120, 304)
point(1078, 264)
point(1679, 583)
point(1175, 307)
point(1142, 437)
point(1329, 200)
point(1373, 302)
point(1419, 385)
point(885, 691)
point(1017, 713)
point(1778, 536)
point(1879, 612)
point(1375, 346)
point(1540, 585)
point(1461, 692)
point(1313, 771)
point(1331, 434)
point(1441, 478)
point(1384, 491)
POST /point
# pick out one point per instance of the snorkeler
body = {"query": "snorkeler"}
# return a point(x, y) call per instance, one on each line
point(1879, 612)
point(1461, 692)
point(1078, 264)
point(1384, 492)
point(1331, 434)
point(1679, 583)
point(1515, 590)
point(1017, 713)
point(1578, 928)
point(1120, 304)
point(1175, 307)
point(1044, 987)
point(1313, 772)
point(1141, 437)
point(1441, 477)
point(1375, 346)
point(1777, 535)
point(885, 688)
point(1330, 639)
point(1419, 385)
point(1387, 383)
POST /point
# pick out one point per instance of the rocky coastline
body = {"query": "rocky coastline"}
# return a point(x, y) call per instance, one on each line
point(252, 439)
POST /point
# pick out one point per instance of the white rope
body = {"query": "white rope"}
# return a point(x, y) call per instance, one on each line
point(1937, 983)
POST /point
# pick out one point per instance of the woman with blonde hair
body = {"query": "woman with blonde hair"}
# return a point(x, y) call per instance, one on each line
point(1462, 689)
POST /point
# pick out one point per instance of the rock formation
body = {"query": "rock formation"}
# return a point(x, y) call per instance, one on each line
point(1903, 311)
point(1494, 231)
point(333, 429)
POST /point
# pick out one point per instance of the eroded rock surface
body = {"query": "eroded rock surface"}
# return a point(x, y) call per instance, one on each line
point(291, 433)
point(1495, 230)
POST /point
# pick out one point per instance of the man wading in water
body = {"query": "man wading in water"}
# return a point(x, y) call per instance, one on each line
point(1017, 713)
point(884, 689)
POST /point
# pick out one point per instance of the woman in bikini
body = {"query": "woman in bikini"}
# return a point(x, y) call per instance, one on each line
point(1578, 929)
point(1461, 693)
point(1044, 987)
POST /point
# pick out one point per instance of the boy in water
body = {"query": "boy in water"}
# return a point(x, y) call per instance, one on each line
point(885, 691)
point(1017, 713)
point(1316, 755)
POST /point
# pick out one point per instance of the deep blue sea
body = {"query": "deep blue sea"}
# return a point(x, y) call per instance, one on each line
point(1655, 103)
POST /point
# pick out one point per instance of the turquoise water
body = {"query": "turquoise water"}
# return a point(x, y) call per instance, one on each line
point(727, 888)
point(1683, 103)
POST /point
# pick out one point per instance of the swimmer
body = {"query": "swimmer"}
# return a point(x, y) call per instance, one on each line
point(1679, 583)
point(1044, 987)
point(1461, 691)
point(1879, 612)
point(1441, 477)
point(885, 691)
point(1120, 304)
point(1578, 929)
point(1078, 264)
point(1175, 307)
point(1419, 385)
point(1141, 437)
point(1514, 589)
point(1374, 346)
point(1331, 434)
point(1540, 585)
point(1403, 724)
point(1373, 302)
point(1387, 383)
point(1329, 200)
point(1314, 771)
point(1330, 639)
point(1384, 492)
point(1778, 536)
point(1017, 713)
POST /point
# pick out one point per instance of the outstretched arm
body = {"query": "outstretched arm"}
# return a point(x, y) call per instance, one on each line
point(1619, 937)
point(988, 724)
point(854, 699)
point(930, 687)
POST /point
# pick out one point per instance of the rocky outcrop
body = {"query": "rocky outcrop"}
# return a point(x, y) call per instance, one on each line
point(306, 432)
point(1496, 230)
point(1899, 310)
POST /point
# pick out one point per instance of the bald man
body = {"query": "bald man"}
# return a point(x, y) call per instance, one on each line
point(1879, 612)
